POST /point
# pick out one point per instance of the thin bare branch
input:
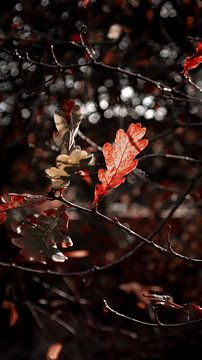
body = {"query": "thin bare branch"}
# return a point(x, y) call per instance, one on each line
point(56, 66)
point(116, 222)
point(164, 89)
point(89, 141)
point(158, 322)
point(52, 317)
point(170, 156)
point(54, 57)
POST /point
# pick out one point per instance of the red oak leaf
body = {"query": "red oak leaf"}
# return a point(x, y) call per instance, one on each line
point(120, 159)
point(193, 61)
point(17, 200)
point(14, 202)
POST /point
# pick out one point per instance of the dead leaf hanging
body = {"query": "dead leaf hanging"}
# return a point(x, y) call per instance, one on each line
point(71, 159)
point(192, 62)
point(67, 123)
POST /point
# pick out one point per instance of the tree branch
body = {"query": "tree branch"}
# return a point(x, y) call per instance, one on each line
point(158, 322)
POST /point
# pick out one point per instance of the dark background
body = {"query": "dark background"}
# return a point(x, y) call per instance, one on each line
point(153, 40)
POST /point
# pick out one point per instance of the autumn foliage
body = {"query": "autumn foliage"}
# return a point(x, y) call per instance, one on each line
point(193, 61)
point(120, 159)
point(42, 233)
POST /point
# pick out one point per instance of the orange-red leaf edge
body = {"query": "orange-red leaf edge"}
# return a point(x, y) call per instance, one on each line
point(118, 177)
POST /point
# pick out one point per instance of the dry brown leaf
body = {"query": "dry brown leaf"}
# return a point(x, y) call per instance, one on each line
point(72, 159)
point(68, 165)
point(67, 125)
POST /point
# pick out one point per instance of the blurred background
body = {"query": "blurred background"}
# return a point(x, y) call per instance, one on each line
point(150, 38)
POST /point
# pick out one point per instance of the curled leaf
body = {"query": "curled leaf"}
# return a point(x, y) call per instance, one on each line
point(120, 159)
point(71, 159)
point(192, 62)
point(67, 123)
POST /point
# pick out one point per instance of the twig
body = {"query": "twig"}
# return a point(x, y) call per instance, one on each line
point(189, 79)
point(53, 317)
point(56, 66)
point(63, 294)
point(166, 90)
point(56, 319)
point(89, 141)
point(164, 133)
point(178, 202)
point(163, 88)
point(117, 223)
point(107, 307)
point(54, 57)
point(161, 324)
point(158, 322)
point(110, 329)
point(170, 156)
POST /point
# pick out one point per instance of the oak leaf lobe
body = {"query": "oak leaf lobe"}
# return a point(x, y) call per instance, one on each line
point(120, 159)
